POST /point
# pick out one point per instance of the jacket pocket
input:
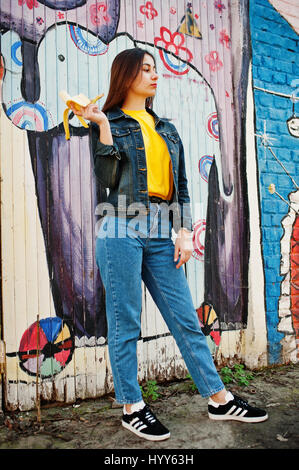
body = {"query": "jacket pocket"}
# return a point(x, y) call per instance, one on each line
point(121, 138)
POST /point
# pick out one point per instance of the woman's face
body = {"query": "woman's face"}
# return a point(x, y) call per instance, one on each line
point(145, 84)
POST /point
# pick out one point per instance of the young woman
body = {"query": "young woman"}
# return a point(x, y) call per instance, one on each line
point(140, 158)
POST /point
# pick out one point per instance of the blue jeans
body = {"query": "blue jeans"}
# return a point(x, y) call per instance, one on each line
point(127, 252)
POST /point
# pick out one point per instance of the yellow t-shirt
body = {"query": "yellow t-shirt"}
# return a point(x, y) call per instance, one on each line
point(158, 161)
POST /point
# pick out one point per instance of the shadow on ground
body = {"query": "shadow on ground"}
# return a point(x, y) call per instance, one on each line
point(95, 424)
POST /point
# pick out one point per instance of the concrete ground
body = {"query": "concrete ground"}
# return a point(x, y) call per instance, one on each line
point(95, 424)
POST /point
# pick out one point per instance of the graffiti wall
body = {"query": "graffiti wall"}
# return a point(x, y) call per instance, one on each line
point(215, 60)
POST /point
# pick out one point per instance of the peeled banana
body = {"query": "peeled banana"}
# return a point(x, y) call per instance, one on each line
point(77, 101)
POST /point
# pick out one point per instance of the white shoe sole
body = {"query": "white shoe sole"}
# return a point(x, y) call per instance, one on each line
point(145, 436)
point(258, 419)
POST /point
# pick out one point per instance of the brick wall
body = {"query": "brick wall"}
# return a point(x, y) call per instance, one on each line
point(275, 66)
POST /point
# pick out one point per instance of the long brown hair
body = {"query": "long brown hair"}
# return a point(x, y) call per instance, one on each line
point(125, 68)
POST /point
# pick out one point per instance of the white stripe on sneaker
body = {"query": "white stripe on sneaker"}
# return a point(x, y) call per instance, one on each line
point(135, 420)
point(142, 426)
point(231, 410)
point(150, 417)
point(137, 425)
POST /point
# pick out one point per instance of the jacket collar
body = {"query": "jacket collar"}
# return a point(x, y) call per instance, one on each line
point(117, 113)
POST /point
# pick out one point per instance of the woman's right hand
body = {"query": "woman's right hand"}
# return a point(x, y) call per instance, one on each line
point(91, 113)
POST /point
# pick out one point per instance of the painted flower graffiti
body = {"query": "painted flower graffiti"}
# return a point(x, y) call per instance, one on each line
point(219, 6)
point(213, 60)
point(224, 38)
point(30, 3)
point(173, 43)
point(149, 11)
point(98, 14)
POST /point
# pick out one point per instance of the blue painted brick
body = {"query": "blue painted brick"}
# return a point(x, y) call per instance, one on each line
point(284, 181)
point(265, 74)
point(276, 114)
point(271, 302)
point(268, 197)
point(272, 321)
point(268, 62)
point(257, 82)
point(283, 66)
point(260, 48)
point(284, 207)
point(270, 206)
point(272, 126)
point(279, 77)
point(295, 155)
point(275, 39)
point(272, 50)
point(254, 70)
point(284, 155)
point(272, 262)
point(273, 167)
point(276, 222)
point(287, 141)
point(262, 112)
point(274, 349)
point(267, 179)
point(267, 220)
point(265, 25)
point(260, 122)
point(261, 11)
point(291, 169)
point(281, 128)
point(271, 329)
point(273, 290)
point(262, 165)
point(256, 60)
point(265, 99)
point(271, 249)
point(282, 103)
point(290, 81)
point(270, 234)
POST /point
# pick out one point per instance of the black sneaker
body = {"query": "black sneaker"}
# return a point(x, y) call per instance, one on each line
point(144, 424)
point(236, 409)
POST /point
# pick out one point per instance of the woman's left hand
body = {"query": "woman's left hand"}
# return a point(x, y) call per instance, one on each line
point(183, 247)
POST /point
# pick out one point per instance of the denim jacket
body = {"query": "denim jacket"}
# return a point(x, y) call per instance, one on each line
point(121, 167)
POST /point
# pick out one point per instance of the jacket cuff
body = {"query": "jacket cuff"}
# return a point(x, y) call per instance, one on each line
point(181, 217)
point(188, 229)
point(186, 218)
point(106, 150)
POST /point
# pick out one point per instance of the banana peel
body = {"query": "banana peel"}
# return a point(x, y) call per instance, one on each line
point(77, 101)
